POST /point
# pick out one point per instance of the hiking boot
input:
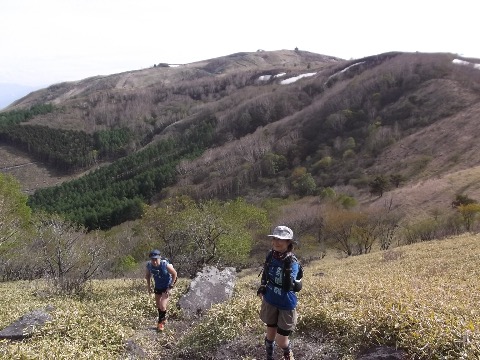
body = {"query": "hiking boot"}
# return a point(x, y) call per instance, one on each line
point(161, 326)
point(288, 356)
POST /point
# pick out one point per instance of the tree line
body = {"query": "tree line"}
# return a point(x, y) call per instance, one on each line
point(65, 150)
point(15, 117)
point(115, 193)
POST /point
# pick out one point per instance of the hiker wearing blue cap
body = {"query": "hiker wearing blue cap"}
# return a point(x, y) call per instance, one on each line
point(164, 277)
point(281, 279)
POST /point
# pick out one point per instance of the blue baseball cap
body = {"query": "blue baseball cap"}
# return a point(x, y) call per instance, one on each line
point(155, 254)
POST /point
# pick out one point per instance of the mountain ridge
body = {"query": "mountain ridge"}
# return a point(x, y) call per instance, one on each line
point(383, 114)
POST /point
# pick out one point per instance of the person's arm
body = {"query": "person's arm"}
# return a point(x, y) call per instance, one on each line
point(172, 272)
point(148, 277)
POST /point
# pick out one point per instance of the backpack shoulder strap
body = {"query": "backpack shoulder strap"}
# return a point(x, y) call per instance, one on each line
point(264, 270)
point(287, 271)
point(292, 258)
point(289, 260)
point(163, 263)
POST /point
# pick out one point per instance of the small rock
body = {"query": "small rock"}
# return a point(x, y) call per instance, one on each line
point(383, 353)
point(25, 326)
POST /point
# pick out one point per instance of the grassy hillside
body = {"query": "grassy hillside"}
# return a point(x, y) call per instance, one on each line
point(422, 298)
point(435, 194)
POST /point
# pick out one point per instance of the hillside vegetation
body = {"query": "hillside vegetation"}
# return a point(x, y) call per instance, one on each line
point(236, 130)
point(422, 298)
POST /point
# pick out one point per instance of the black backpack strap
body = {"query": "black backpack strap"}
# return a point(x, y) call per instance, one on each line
point(287, 272)
point(264, 271)
point(290, 284)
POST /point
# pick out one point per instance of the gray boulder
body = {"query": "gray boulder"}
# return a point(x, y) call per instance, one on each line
point(26, 325)
point(210, 286)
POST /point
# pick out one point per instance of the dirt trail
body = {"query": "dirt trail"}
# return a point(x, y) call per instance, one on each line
point(147, 344)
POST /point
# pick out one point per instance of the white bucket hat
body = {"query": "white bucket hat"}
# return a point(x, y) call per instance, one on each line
point(282, 232)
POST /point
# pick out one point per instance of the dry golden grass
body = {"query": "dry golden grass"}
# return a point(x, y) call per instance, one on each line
point(423, 298)
point(94, 327)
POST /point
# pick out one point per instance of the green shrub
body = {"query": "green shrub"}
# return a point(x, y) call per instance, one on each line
point(124, 265)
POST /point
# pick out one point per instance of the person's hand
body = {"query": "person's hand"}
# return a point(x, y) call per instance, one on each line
point(261, 290)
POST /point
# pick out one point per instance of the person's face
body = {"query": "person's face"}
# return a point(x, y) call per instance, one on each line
point(279, 245)
point(155, 262)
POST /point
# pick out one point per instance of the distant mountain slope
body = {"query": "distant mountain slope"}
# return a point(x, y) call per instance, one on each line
point(380, 117)
point(285, 122)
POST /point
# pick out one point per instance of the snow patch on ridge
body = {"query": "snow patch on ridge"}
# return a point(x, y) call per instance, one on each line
point(466, 63)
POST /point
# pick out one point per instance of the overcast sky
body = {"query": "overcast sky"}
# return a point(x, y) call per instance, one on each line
point(44, 42)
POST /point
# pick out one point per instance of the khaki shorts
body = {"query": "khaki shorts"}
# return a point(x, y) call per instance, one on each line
point(285, 319)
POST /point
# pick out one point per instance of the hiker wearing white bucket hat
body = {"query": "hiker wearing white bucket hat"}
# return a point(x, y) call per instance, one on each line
point(281, 279)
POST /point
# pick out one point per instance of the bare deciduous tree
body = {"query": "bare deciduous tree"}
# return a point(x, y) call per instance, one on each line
point(71, 256)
